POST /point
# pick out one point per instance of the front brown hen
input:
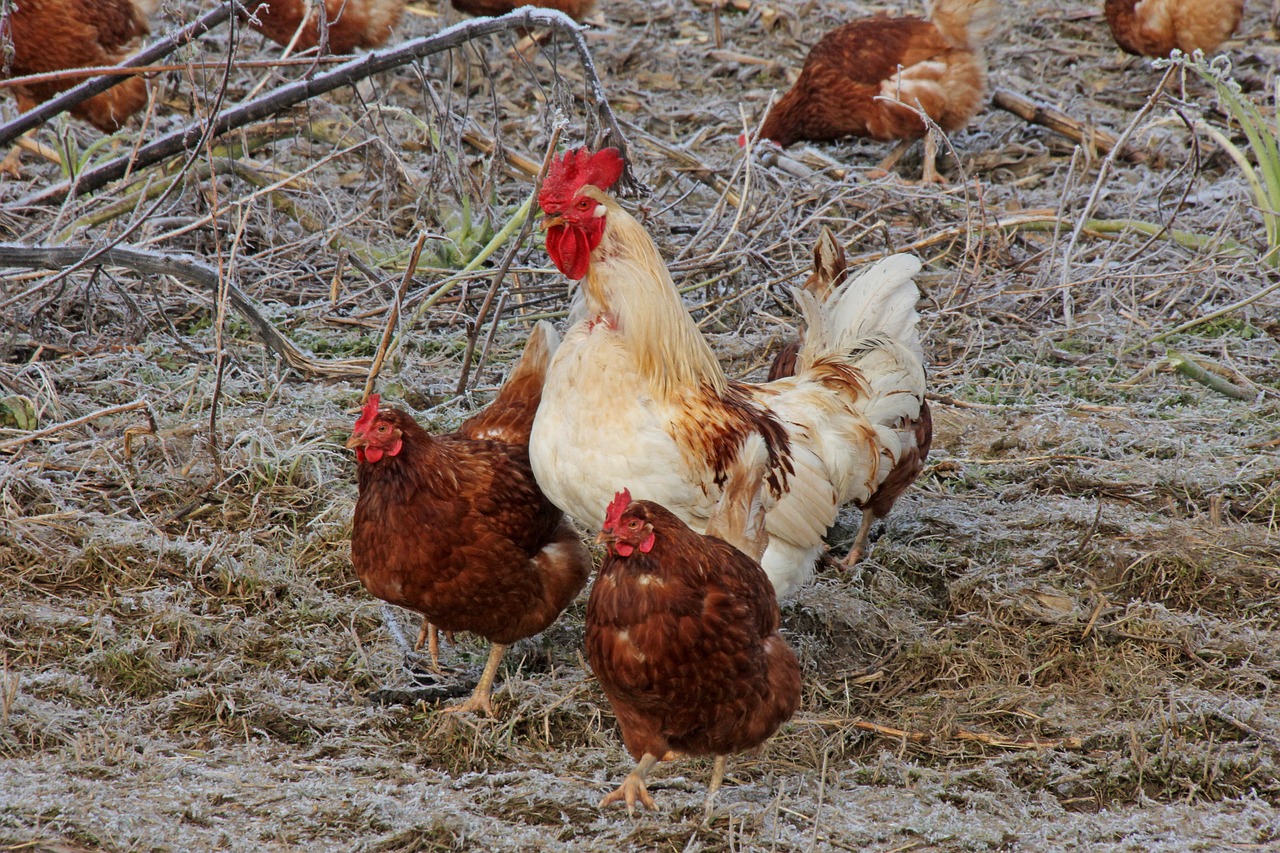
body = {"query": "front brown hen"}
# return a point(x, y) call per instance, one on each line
point(454, 526)
point(870, 77)
point(682, 632)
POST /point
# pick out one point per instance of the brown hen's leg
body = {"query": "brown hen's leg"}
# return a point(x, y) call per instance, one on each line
point(430, 635)
point(480, 697)
point(892, 160)
point(931, 175)
point(717, 778)
point(860, 541)
point(633, 787)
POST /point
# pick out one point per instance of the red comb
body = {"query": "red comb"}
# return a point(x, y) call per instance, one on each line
point(369, 412)
point(619, 505)
point(573, 170)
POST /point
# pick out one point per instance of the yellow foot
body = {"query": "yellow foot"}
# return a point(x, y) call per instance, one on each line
point(475, 703)
point(631, 789)
point(11, 165)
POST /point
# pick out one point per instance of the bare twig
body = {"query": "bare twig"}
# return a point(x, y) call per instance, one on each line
point(1062, 124)
point(392, 318)
point(1192, 369)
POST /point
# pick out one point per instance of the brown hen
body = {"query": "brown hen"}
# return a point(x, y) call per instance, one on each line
point(682, 632)
point(829, 271)
point(858, 77)
point(1157, 27)
point(349, 24)
point(55, 35)
point(454, 526)
point(576, 9)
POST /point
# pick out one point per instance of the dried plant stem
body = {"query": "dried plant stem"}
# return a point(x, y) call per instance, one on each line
point(1192, 369)
point(1062, 124)
point(392, 318)
point(14, 443)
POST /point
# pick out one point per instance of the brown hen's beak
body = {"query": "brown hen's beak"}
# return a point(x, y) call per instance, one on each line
point(604, 537)
point(356, 442)
point(549, 222)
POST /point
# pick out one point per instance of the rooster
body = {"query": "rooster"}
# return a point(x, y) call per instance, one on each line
point(871, 77)
point(1157, 27)
point(348, 23)
point(635, 397)
point(682, 632)
point(454, 526)
point(55, 35)
point(829, 271)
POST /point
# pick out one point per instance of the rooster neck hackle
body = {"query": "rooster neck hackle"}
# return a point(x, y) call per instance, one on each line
point(628, 283)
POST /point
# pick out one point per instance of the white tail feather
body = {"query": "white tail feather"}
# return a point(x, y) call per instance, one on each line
point(880, 300)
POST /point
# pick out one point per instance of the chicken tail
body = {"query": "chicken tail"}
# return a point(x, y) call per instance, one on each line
point(966, 23)
point(870, 323)
point(509, 418)
point(880, 300)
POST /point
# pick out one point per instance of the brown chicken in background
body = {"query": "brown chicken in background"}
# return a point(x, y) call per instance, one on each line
point(454, 526)
point(349, 23)
point(56, 35)
point(576, 9)
point(830, 269)
point(1156, 27)
point(857, 78)
point(682, 632)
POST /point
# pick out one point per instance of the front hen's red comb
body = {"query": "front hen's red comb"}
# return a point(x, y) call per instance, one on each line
point(617, 507)
point(573, 170)
point(367, 414)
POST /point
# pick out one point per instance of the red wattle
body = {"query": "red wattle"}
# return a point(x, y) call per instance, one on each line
point(623, 549)
point(570, 249)
point(371, 454)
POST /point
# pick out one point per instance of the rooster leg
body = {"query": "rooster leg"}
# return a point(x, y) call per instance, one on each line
point(633, 787)
point(717, 778)
point(480, 697)
point(860, 541)
point(892, 160)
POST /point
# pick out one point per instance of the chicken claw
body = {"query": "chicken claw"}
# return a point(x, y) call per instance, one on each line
point(633, 788)
point(480, 699)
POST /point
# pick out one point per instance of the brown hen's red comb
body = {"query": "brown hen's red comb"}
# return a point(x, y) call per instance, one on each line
point(617, 507)
point(369, 412)
point(573, 170)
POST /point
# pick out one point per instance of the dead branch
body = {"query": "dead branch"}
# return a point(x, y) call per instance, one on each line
point(348, 74)
point(1062, 124)
point(155, 263)
point(86, 90)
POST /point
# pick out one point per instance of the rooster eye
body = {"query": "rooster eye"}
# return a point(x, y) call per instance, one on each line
point(584, 203)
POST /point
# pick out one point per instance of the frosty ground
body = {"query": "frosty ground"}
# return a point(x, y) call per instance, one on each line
point(1066, 635)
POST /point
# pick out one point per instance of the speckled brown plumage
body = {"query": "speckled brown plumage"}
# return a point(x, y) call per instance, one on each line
point(1156, 27)
point(684, 640)
point(55, 35)
point(576, 9)
point(350, 23)
point(456, 528)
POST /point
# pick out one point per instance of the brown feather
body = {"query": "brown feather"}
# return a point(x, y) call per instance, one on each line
point(55, 35)
point(1156, 27)
point(685, 643)
point(349, 23)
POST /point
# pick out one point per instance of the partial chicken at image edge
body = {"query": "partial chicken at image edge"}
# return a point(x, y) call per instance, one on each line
point(455, 527)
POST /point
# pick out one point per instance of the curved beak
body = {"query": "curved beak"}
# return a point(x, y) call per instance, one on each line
point(549, 221)
point(606, 537)
point(357, 441)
